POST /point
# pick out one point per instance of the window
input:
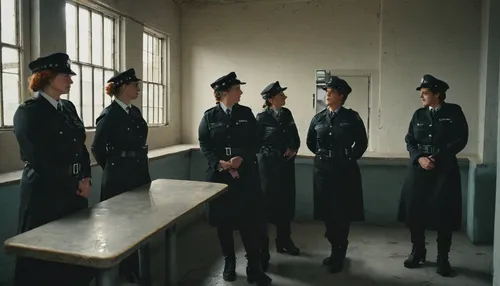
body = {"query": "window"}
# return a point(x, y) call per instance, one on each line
point(91, 45)
point(154, 93)
point(10, 54)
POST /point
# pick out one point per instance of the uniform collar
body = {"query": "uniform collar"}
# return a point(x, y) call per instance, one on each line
point(224, 107)
point(52, 101)
point(334, 111)
point(122, 104)
point(436, 109)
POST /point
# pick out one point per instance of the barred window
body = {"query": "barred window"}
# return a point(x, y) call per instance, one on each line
point(92, 46)
point(154, 91)
point(10, 54)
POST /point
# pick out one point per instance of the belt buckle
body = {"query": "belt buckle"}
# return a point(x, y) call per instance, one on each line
point(228, 151)
point(75, 168)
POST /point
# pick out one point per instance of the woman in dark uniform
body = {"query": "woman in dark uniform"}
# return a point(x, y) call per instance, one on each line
point(431, 197)
point(228, 140)
point(338, 138)
point(120, 148)
point(56, 177)
point(280, 142)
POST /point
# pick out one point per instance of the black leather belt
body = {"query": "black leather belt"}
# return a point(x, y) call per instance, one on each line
point(229, 151)
point(270, 150)
point(332, 153)
point(131, 154)
point(71, 170)
point(429, 149)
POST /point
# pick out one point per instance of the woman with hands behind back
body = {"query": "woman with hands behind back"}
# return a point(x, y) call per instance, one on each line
point(431, 197)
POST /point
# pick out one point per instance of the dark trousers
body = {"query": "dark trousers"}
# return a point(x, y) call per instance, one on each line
point(249, 237)
point(337, 232)
point(130, 265)
point(443, 239)
point(283, 231)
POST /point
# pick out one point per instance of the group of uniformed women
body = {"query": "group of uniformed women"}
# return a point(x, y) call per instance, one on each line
point(56, 179)
point(230, 137)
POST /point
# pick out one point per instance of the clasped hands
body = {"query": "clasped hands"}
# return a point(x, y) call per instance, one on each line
point(84, 188)
point(232, 166)
point(428, 163)
point(290, 153)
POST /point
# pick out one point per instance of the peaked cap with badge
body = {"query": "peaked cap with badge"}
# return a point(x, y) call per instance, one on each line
point(224, 83)
point(57, 62)
point(272, 89)
point(429, 81)
point(339, 85)
point(124, 78)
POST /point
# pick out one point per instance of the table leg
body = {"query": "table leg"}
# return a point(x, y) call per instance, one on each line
point(171, 256)
point(144, 266)
point(108, 277)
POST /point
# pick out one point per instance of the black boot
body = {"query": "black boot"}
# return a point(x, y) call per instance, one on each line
point(417, 256)
point(265, 255)
point(443, 264)
point(287, 246)
point(336, 263)
point(229, 273)
point(330, 258)
point(257, 276)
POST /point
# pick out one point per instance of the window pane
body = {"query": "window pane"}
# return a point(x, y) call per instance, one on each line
point(109, 48)
point(150, 58)
point(87, 95)
point(155, 104)
point(74, 94)
point(107, 75)
point(145, 57)
point(97, 36)
point(151, 97)
point(10, 77)
point(84, 34)
point(155, 59)
point(161, 104)
point(8, 17)
point(71, 41)
point(98, 92)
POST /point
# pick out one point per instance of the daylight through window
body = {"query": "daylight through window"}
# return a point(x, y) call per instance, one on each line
point(10, 52)
point(90, 43)
point(154, 93)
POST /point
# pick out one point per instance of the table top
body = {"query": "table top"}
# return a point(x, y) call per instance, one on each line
point(105, 234)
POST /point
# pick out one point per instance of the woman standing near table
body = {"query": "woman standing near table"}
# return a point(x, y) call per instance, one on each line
point(280, 142)
point(228, 140)
point(120, 148)
point(56, 177)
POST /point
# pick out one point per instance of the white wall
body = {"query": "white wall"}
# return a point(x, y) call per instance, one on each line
point(48, 26)
point(394, 41)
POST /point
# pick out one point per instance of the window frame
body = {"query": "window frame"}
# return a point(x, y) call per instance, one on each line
point(165, 77)
point(105, 13)
point(23, 23)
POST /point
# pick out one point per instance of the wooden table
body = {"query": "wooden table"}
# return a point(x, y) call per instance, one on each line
point(102, 236)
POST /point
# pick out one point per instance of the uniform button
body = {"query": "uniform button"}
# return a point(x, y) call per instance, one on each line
point(128, 128)
point(60, 132)
point(74, 139)
point(76, 155)
point(430, 135)
point(430, 125)
point(227, 126)
point(112, 164)
point(330, 133)
point(137, 126)
point(331, 126)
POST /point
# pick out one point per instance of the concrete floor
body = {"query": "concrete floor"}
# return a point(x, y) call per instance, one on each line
point(375, 257)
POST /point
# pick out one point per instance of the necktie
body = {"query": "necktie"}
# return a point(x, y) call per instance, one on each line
point(59, 107)
point(128, 109)
point(228, 112)
point(433, 112)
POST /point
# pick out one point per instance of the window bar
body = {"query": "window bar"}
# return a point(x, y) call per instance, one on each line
point(151, 108)
point(80, 77)
point(103, 63)
point(93, 68)
point(149, 78)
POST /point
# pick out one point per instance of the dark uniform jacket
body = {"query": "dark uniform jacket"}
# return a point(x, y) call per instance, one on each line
point(52, 143)
point(222, 138)
point(277, 173)
point(434, 198)
point(337, 143)
point(120, 148)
